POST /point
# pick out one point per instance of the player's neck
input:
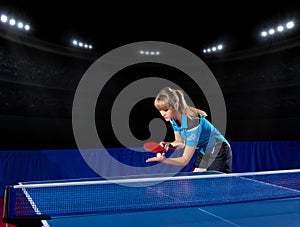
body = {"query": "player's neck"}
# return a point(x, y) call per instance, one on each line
point(177, 118)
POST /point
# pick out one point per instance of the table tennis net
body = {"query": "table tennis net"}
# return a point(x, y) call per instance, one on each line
point(58, 199)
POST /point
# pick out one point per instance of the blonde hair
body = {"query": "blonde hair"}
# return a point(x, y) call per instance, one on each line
point(169, 98)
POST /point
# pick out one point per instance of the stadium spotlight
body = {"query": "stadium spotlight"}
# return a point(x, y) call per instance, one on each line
point(4, 18)
point(271, 31)
point(280, 28)
point(12, 22)
point(290, 24)
point(264, 33)
point(20, 25)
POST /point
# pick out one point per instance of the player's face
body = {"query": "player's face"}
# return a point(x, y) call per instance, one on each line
point(167, 114)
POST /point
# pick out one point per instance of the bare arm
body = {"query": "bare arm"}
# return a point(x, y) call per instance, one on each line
point(180, 161)
point(178, 142)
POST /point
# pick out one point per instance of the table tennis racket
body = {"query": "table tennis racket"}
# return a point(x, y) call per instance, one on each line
point(156, 147)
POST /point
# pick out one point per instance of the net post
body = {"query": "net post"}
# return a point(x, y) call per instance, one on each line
point(9, 212)
point(9, 203)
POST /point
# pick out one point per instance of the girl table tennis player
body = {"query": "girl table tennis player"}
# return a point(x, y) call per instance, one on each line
point(193, 133)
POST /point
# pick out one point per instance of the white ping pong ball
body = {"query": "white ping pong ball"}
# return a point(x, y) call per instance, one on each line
point(158, 155)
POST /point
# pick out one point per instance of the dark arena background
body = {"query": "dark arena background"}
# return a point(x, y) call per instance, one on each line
point(40, 70)
point(37, 89)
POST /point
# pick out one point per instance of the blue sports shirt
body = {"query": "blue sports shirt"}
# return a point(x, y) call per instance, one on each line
point(198, 132)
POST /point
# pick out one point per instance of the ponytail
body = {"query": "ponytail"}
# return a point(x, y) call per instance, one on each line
point(201, 113)
point(169, 97)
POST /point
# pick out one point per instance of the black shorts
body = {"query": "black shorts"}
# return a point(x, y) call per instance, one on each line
point(218, 158)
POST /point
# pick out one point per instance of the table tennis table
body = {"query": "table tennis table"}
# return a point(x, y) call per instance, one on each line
point(185, 199)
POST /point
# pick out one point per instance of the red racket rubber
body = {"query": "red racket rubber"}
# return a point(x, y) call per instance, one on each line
point(153, 147)
point(156, 147)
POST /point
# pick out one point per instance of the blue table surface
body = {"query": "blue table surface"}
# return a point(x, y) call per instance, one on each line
point(278, 212)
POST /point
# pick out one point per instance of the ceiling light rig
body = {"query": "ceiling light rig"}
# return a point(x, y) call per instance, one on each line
point(280, 29)
point(212, 49)
point(11, 22)
point(80, 44)
point(149, 52)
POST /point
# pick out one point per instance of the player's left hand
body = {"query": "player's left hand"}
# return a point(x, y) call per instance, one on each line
point(160, 158)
